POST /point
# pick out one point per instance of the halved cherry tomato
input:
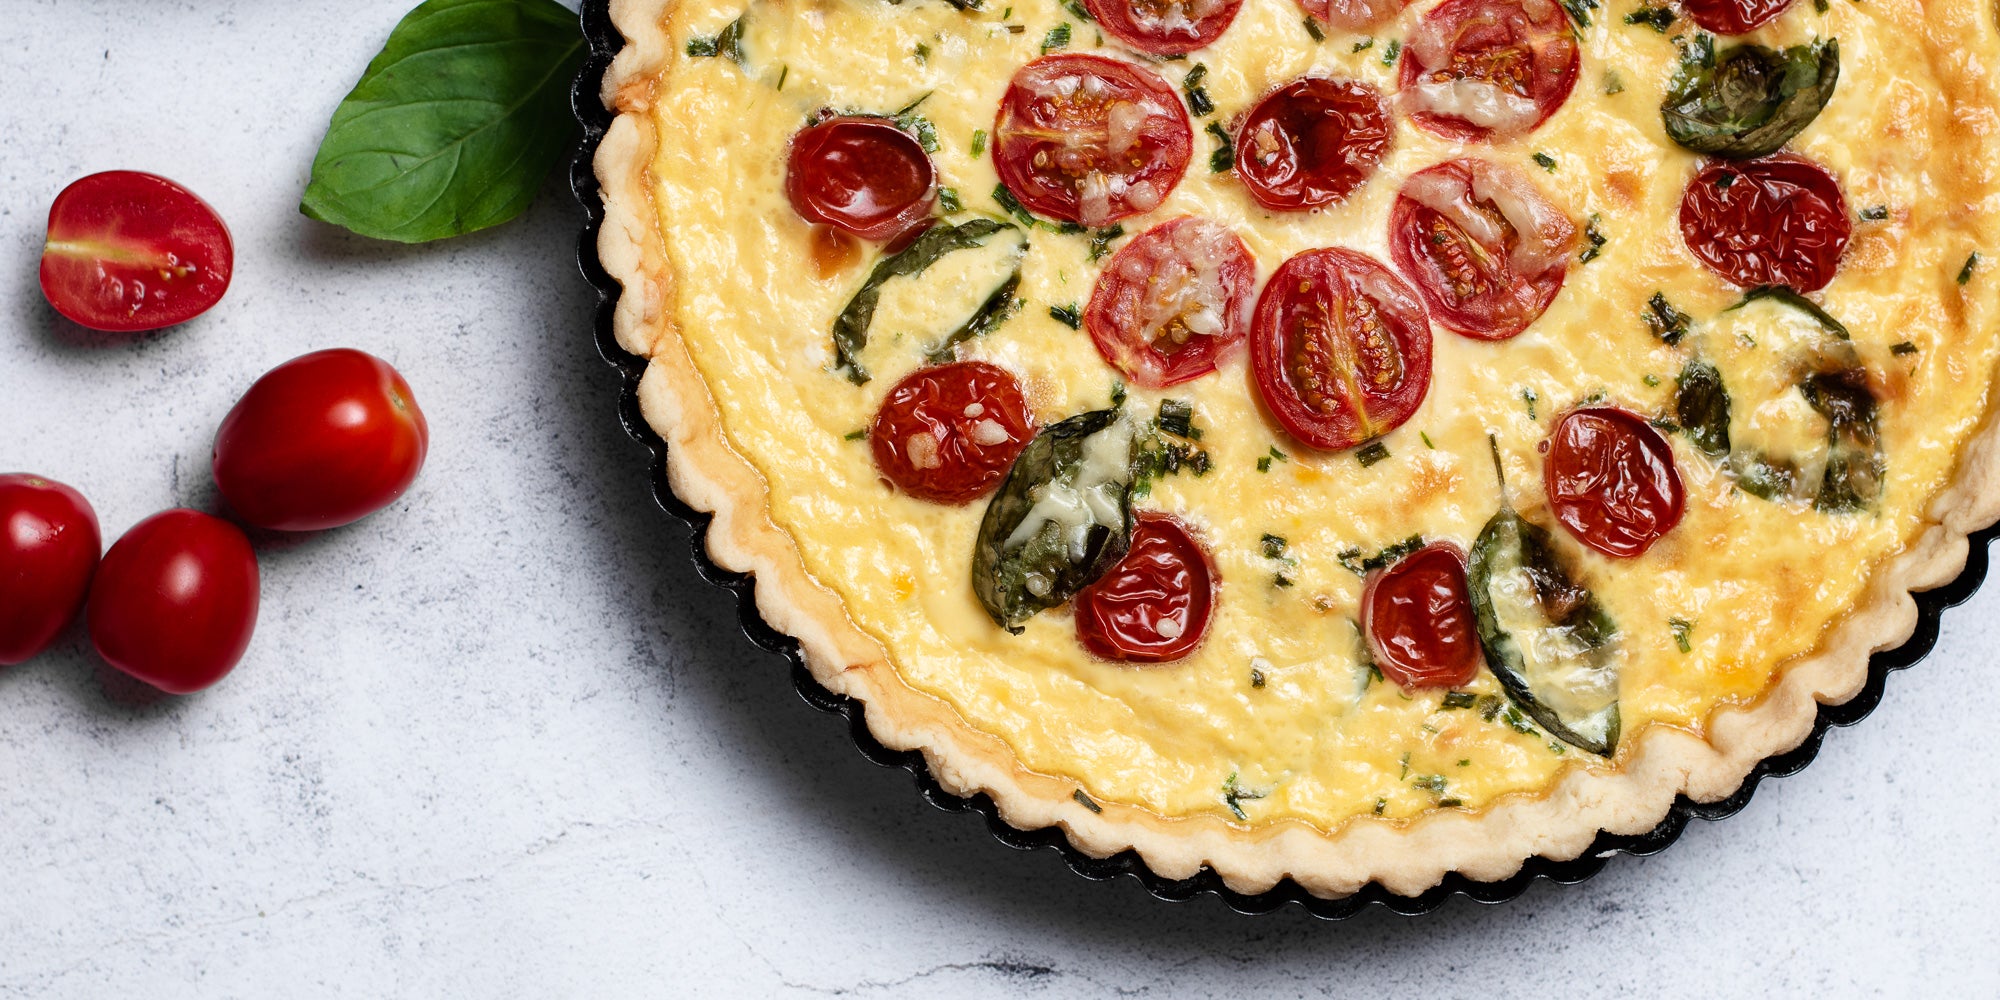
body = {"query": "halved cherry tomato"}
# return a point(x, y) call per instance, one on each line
point(320, 441)
point(175, 601)
point(1341, 348)
point(128, 252)
point(1352, 15)
point(1776, 221)
point(1172, 301)
point(1473, 69)
point(1487, 250)
point(860, 174)
point(1311, 142)
point(1611, 480)
point(1164, 27)
point(48, 549)
point(1087, 139)
point(1733, 17)
point(1155, 604)
point(950, 433)
point(1417, 614)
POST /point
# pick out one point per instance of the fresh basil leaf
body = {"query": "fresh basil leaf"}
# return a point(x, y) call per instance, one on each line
point(1854, 465)
point(1062, 518)
point(1701, 407)
point(1749, 100)
point(1790, 297)
point(455, 123)
point(850, 328)
point(988, 318)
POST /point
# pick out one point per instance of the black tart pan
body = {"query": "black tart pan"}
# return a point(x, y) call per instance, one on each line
point(605, 41)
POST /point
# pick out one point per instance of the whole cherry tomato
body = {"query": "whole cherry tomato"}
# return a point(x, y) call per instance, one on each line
point(1417, 615)
point(1172, 301)
point(1612, 481)
point(862, 175)
point(48, 549)
point(1155, 604)
point(1311, 142)
point(320, 441)
point(950, 433)
point(128, 252)
point(1476, 69)
point(1776, 221)
point(1164, 27)
point(1733, 17)
point(1488, 251)
point(175, 601)
point(1087, 139)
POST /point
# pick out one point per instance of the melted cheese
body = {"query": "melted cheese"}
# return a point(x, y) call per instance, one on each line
point(1758, 581)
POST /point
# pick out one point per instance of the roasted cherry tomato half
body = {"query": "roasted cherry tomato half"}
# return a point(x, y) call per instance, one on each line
point(1733, 17)
point(128, 252)
point(1611, 480)
point(1164, 27)
point(1417, 614)
point(1311, 142)
point(1087, 139)
point(48, 549)
point(1155, 604)
point(1172, 301)
point(1776, 221)
point(1341, 348)
point(1482, 244)
point(1352, 15)
point(950, 433)
point(175, 601)
point(862, 175)
point(320, 441)
point(1476, 69)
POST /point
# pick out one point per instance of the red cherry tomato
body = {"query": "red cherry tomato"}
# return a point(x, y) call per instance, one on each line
point(950, 433)
point(1352, 15)
point(860, 174)
point(128, 252)
point(1417, 614)
point(1155, 604)
point(1487, 250)
point(1611, 480)
point(1341, 348)
point(48, 549)
point(1777, 221)
point(1474, 69)
point(1733, 17)
point(1311, 142)
point(1087, 139)
point(175, 601)
point(1172, 301)
point(1164, 27)
point(320, 441)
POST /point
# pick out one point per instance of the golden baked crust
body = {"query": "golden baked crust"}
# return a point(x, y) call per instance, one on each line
point(1405, 856)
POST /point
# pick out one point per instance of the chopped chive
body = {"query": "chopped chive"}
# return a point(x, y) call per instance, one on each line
point(1084, 801)
point(1459, 699)
point(1681, 627)
point(783, 71)
point(856, 435)
point(1057, 38)
point(1971, 264)
point(1546, 162)
point(1597, 240)
point(1273, 546)
point(1313, 29)
point(1373, 452)
point(948, 200)
point(1367, 42)
point(1876, 214)
point(1224, 156)
point(1650, 379)
point(1389, 54)
point(1067, 316)
point(1427, 440)
point(978, 141)
point(1657, 18)
point(1177, 418)
point(1903, 348)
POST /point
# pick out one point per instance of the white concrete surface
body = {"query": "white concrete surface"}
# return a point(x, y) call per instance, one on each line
point(500, 741)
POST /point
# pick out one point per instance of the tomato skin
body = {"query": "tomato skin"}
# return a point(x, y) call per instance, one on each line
point(1200, 23)
point(1480, 288)
point(1352, 15)
point(1417, 615)
point(1189, 263)
point(1611, 480)
point(1309, 324)
point(862, 175)
point(175, 601)
point(48, 550)
point(1056, 149)
point(1312, 142)
point(1781, 220)
point(1733, 17)
point(129, 252)
point(927, 437)
point(322, 440)
point(1165, 576)
point(1523, 47)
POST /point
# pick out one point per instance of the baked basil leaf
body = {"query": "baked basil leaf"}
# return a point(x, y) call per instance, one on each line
point(1062, 518)
point(988, 318)
point(1701, 408)
point(850, 328)
point(1854, 465)
point(1790, 296)
point(454, 124)
point(1749, 100)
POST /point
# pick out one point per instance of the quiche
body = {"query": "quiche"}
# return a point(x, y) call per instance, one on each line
point(1325, 440)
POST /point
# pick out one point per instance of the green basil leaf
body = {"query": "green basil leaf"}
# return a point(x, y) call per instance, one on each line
point(1701, 407)
point(850, 328)
point(1062, 518)
point(988, 318)
point(1749, 100)
point(454, 125)
point(1854, 465)
point(1790, 297)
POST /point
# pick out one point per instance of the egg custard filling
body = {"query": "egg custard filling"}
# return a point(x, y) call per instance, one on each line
point(1339, 442)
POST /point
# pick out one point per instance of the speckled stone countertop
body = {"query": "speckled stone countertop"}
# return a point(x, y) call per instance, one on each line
point(499, 740)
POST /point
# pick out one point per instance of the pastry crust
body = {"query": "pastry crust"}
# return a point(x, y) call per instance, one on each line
point(1404, 856)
